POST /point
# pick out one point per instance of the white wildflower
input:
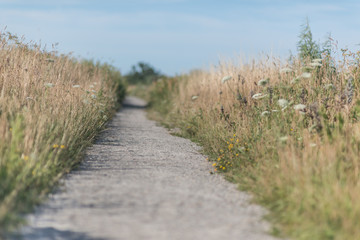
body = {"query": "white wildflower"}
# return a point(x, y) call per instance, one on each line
point(306, 75)
point(315, 64)
point(265, 113)
point(283, 103)
point(258, 96)
point(312, 145)
point(286, 70)
point(283, 139)
point(300, 107)
point(194, 97)
point(318, 60)
point(225, 79)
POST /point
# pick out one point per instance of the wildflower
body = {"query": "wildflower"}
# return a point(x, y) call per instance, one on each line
point(221, 150)
point(49, 85)
point(76, 86)
point(194, 97)
point(300, 107)
point(219, 159)
point(263, 82)
point(230, 146)
point(274, 110)
point(225, 79)
point(234, 135)
point(306, 75)
point(237, 155)
point(283, 103)
point(55, 146)
point(237, 140)
point(312, 144)
point(93, 96)
point(214, 164)
point(283, 139)
point(62, 146)
point(258, 96)
point(317, 60)
point(265, 113)
point(24, 157)
point(286, 70)
point(291, 129)
point(315, 64)
point(231, 139)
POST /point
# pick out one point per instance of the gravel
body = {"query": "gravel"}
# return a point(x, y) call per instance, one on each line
point(139, 182)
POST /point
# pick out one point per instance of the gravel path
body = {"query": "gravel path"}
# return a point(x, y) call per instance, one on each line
point(139, 182)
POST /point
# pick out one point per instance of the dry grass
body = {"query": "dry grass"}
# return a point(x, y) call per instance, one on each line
point(50, 109)
point(302, 164)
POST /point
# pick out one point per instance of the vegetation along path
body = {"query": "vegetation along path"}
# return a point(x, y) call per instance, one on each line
point(139, 182)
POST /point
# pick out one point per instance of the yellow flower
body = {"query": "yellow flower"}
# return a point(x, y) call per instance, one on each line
point(291, 129)
point(234, 135)
point(62, 146)
point(219, 159)
point(231, 139)
point(237, 154)
point(237, 140)
point(227, 142)
point(230, 146)
point(55, 146)
point(224, 168)
point(25, 157)
point(214, 164)
point(221, 150)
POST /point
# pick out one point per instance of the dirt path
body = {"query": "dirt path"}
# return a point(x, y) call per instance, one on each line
point(139, 182)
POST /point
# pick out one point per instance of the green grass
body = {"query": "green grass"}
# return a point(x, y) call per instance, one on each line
point(51, 107)
point(302, 165)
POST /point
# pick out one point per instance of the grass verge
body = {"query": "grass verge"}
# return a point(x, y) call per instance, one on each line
point(51, 107)
point(287, 133)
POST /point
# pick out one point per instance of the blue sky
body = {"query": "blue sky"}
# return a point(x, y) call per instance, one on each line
point(176, 36)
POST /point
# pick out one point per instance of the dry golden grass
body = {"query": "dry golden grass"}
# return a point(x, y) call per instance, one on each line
point(303, 165)
point(50, 109)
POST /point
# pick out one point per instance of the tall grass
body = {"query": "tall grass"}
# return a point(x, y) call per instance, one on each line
point(287, 132)
point(51, 107)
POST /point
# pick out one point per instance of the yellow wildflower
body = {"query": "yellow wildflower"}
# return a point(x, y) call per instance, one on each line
point(230, 146)
point(62, 146)
point(219, 159)
point(231, 139)
point(214, 164)
point(224, 168)
point(55, 146)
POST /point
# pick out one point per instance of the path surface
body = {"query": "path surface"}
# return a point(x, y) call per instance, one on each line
point(139, 182)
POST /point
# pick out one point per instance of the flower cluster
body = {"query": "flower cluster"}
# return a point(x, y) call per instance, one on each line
point(232, 152)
